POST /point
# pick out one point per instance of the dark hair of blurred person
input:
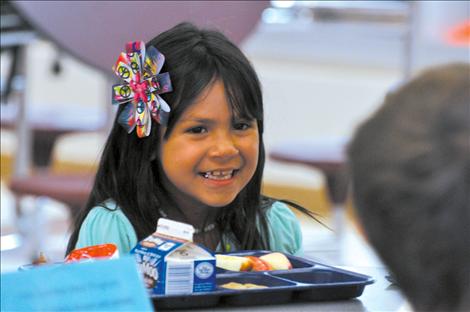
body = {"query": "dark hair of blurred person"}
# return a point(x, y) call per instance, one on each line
point(410, 166)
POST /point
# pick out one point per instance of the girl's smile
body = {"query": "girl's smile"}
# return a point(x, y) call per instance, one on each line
point(210, 155)
point(219, 176)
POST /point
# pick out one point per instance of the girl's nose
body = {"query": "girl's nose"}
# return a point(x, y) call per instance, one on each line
point(224, 148)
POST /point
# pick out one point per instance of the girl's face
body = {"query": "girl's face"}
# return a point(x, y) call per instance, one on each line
point(211, 155)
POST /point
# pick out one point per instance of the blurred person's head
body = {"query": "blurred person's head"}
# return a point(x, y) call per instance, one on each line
point(410, 166)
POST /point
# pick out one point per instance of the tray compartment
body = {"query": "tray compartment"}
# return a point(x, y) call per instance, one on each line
point(342, 292)
point(319, 276)
point(278, 290)
point(326, 284)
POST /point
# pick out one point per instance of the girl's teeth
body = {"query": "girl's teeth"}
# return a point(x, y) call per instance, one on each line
point(218, 175)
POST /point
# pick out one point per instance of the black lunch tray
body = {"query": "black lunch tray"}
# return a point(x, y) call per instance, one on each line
point(307, 281)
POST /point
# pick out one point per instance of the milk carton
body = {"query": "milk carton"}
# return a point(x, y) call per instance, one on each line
point(172, 264)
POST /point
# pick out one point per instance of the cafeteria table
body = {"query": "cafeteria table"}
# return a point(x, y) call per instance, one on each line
point(70, 189)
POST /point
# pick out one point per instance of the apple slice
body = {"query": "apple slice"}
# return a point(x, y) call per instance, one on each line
point(233, 263)
point(277, 260)
point(259, 264)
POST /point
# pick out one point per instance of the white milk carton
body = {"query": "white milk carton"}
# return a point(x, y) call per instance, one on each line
point(172, 264)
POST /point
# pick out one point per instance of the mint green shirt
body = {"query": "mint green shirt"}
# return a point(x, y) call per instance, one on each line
point(111, 226)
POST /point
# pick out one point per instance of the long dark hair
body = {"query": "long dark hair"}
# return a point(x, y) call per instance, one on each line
point(129, 171)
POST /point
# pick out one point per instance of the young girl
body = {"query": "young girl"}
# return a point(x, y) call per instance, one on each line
point(202, 164)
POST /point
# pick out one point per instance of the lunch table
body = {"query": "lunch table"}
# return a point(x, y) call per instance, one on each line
point(70, 189)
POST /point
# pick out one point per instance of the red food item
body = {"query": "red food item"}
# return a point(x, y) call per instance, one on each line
point(93, 252)
point(258, 264)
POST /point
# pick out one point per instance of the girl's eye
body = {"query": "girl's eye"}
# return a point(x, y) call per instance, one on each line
point(242, 125)
point(197, 130)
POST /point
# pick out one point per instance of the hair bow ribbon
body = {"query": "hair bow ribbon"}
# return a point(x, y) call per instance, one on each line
point(140, 70)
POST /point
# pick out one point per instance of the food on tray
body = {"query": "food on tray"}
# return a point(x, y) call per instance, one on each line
point(92, 252)
point(277, 261)
point(233, 263)
point(259, 264)
point(234, 285)
point(268, 262)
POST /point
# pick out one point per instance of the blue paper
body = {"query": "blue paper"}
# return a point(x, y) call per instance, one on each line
point(105, 285)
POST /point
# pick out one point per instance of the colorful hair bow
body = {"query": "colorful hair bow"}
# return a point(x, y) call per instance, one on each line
point(140, 69)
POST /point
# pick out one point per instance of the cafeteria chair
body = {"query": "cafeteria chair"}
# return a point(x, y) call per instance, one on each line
point(68, 180)
point(70, 175)
point(76, 153)
point(7, 152)
point(300, 185)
